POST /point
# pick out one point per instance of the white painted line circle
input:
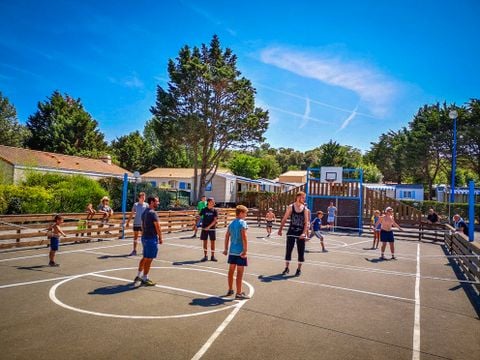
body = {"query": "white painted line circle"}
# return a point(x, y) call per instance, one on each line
point(54, 298)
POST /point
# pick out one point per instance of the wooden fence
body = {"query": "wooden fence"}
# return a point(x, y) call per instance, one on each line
point(469, 256)
point(29, 230)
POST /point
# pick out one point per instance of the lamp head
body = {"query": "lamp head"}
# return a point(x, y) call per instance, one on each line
point(453, 114)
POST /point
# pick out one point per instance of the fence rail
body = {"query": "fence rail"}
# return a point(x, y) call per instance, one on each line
point(469, 256)
point(29, 230)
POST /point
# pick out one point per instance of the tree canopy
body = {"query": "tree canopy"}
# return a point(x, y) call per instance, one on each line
point(11, 132)
point(62, 125)
point(208, 108)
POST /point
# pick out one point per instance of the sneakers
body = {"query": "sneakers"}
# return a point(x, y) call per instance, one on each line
point(286, 271)
point(229, 293)
point(194, 236)
point(241, 296)
point(382, 257)
point(393, 257)
point(137, 279)
point(213, 258)
point(148, 282)
point(53, 264)
point(205, 258)
point(298, 272)
point(133, 253)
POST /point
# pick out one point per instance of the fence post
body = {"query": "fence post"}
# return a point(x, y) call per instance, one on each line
point(471, 210)
point(124, 202)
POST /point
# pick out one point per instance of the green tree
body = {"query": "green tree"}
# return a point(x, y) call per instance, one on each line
point(469, 137)
point(269, 167)
point(245, 165)
point(371, 173)
point(62, 125)
point(388, 154)
point(208, 108)
point(132, 152)
point(334, 154)
point(164, 152)
point(11, 132)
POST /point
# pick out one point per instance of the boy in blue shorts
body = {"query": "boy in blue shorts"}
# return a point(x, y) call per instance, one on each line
point(317, 227)
point(151, 237)
point(237, 258)
point(54, 233)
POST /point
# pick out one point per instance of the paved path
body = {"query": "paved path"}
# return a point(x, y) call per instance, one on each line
point(346, 304)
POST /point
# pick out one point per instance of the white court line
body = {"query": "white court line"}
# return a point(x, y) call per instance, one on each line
point(218, 331)
point(34, 282)
point(416, 326)
point(159, 286)
point(358, 242)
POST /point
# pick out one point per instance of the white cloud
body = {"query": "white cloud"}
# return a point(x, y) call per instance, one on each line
point(348, 119)
point(375, 89)
point(129, 81)
point(303, 116)
point(306, 114)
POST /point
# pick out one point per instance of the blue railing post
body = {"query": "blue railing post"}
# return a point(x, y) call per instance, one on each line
point(471, 210)
point(124, 202)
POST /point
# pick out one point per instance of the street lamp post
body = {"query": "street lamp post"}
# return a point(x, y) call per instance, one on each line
point(453, 114)
point(136, 175)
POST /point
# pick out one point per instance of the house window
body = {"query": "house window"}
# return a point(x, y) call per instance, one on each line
point(189, 186)
point(208, 187)
point(407, 195)
point(232, 186)
point(154, 183)
point(182, 185)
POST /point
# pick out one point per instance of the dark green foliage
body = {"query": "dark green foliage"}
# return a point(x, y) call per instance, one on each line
point(133, 152)
point(25, 199)
point(11, 132)
point(245, 165)
point(62, 125)
point(207, 108)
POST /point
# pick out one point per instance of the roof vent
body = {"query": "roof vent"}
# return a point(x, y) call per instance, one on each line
point(106, 159)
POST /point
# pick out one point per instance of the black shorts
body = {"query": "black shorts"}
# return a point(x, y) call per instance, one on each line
point(137, 228)
point(237, 260)
point(269, 223)
point(205, 234)
point(386, 236)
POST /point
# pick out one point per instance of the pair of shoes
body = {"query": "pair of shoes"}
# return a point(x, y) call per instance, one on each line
point(137, 279)
point(53, 263)
point(393, 257)
point(213, 258)
point(194, 236)
point(298, 272)
point(229, 293)
point(382, 257)
point(133, 253)
point(286, 271)
point(268, 235)
point(205, 258)
point(148, 282)
point(324, 250)
point(242, 296)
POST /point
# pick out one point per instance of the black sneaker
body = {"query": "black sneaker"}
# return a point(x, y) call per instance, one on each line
point(298, 272)
point(137, 279)
point(205, 258)
point(393, 257)
point(241, 296)
point(286, 271)
point(229, 293)
point(213, 258)
point(53, 264)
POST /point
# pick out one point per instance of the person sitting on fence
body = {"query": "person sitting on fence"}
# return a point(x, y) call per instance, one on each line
point(90, 211)
point(106, 210)
point(432, 217)
point(53, 233)
point(459, 224)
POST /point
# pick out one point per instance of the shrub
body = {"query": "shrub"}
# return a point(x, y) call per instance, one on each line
point(25, 199)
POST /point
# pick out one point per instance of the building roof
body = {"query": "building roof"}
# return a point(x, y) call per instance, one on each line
point(295, 173)
point(47, 160)
point(175, 173)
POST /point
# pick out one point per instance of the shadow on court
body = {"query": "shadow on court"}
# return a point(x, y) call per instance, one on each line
point(33, 267)
point(210, 301)
point(104, 257)
point(186, 262)
point(114, 289)
point(276, 277)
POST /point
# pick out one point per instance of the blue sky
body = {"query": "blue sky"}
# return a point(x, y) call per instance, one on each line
point(342, 70)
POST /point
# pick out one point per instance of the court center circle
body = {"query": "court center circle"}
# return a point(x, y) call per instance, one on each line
point(56, 300)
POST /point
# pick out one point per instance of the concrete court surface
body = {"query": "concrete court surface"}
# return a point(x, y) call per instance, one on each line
point(347, 304)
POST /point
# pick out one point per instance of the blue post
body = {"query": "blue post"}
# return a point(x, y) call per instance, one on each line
point(124, 202)
point(471, 210)
point(306, 192)
point(360, 204)
point(454, 160)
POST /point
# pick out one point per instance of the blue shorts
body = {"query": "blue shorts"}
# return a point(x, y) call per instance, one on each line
point(199, 222)
point(237, 260)
point(54, 242)
point(150, 247)
point(386, 236)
